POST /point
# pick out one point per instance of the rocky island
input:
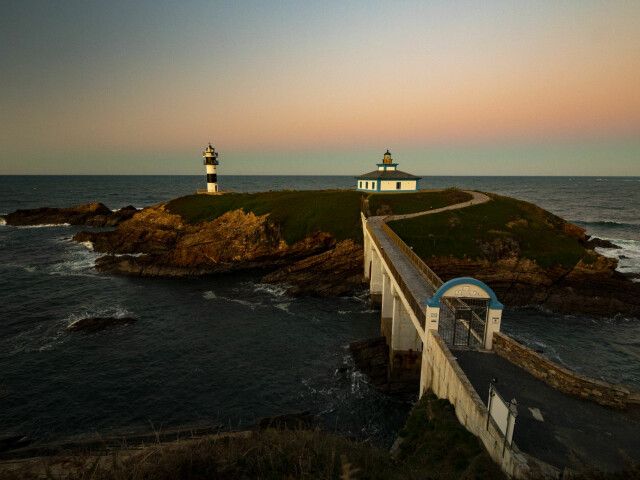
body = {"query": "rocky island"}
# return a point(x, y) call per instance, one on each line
point(312, 241)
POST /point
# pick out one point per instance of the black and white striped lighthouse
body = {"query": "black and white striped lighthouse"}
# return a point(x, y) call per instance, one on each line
point(211, 161)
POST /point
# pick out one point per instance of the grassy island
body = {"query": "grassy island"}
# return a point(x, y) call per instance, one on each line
point(502, 226)
point(300, 213)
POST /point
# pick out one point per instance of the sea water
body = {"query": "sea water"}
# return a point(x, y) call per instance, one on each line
point(227, 350)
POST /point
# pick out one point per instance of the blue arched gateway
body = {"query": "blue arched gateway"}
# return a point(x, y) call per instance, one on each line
point(465, 311)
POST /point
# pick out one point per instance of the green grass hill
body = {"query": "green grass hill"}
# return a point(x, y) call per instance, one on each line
point(300, 213)
point(501, 224)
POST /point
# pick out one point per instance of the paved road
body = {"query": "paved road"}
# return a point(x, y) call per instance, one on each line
point(591, 433)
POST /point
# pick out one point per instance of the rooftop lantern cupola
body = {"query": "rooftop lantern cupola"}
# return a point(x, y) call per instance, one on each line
point(387, 157)
point(211, 161)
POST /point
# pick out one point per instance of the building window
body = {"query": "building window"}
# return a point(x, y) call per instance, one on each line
point(360, 183)
point(398, 185)
point(367, 185)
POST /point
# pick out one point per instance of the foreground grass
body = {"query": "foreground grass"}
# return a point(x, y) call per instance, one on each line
point(436, 446)
point(300, 213)
point(503, 224)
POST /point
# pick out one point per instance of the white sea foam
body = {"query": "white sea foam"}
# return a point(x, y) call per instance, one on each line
point(77, 260)
point(275, 290)
point(46, 225)
point(210, 295)
point(629, 250)
point(2, 221)
point(284, 307)
point(87, 244)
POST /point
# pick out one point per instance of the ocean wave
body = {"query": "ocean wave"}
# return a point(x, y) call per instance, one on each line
point(606, 223)
point(628, 255)
point(284, 307)
point(77, 260)
point(46, 225)
point(278, 290)
point(210, 295)
point(87, 244)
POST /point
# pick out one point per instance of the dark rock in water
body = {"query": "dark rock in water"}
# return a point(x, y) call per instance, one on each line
point(372, 359)
point(91, 214)
point(623, 257)
point(288, 421)
point(594, 242)
point(337, 271)
point(13, 442)
point(95, 324)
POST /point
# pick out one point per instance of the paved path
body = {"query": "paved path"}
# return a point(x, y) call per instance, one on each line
point(568, 427)
point(421, 289)
point(477, 199)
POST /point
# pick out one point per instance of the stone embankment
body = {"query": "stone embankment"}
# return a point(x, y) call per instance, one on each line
point(560, 378)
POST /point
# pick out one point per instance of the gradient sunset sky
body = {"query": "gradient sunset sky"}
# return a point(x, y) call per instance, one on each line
point(320, 87)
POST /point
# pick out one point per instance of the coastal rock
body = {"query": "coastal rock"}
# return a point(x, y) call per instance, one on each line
point(335, 272)
point(595, 289)
point(595, 242)
point(91, 214)
point(166, 246)
point(95, 324)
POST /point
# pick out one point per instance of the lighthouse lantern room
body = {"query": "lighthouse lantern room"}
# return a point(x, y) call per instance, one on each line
point(211, 161)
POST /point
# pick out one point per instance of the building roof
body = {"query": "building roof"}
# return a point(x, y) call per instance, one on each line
point(389, 175)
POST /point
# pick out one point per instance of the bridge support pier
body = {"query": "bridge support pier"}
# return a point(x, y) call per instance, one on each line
point(375, 284)
point(405, 346)
point(387, 307)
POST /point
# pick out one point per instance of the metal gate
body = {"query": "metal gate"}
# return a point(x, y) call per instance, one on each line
point(463, 321)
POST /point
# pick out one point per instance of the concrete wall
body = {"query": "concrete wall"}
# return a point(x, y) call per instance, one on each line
point(442, 374)
point(559, 377)
point(405, 185)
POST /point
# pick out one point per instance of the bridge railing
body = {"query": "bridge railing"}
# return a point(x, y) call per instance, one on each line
point(417, 262)
point(414, 304)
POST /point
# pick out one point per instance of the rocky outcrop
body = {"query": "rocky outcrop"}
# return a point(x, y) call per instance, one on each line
point(331, 273)
point(90, 214)
point(372, 358)
point(595, 289)
point(156, 242)
point(95, 324)
point(595, 242)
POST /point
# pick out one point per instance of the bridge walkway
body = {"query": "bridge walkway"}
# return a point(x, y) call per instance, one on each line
point(420, 288)
point(552, 426)
point(421, 282)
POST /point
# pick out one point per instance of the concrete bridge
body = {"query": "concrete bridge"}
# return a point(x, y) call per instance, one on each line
point(415, 300)
point(422, 316)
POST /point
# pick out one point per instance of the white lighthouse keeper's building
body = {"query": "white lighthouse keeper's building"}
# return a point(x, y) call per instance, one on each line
point(211, 161)
point(387, 178)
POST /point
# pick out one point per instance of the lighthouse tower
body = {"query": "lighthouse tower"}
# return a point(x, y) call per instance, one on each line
point(211, 161)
